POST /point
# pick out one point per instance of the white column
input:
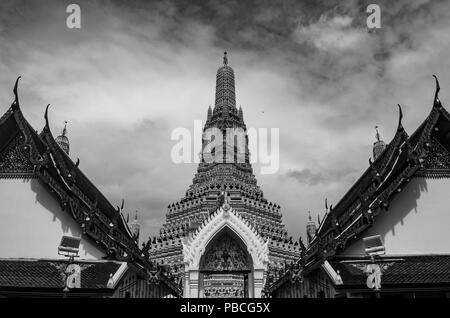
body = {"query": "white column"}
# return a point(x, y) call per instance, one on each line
point(258, 282)
point(193, 283)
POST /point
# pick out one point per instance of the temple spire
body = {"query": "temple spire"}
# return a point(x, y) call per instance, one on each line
point(135, 227)
point(225, 90)
point(310, 228)
point(209, 116)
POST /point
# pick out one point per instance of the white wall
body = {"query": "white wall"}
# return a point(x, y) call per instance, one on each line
point(32, 222)
point(417, 222)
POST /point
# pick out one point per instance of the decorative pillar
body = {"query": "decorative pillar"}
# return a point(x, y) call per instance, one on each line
point(258, 282)
point(192, 284)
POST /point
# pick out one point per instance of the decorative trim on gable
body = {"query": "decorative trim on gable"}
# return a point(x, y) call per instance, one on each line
point(226, 217)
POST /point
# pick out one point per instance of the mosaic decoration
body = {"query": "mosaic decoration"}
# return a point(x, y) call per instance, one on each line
point(226, 255)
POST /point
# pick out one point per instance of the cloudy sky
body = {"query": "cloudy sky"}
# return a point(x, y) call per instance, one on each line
point(137, 70)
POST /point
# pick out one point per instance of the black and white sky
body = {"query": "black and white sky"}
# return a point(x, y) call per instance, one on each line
point(136, 70)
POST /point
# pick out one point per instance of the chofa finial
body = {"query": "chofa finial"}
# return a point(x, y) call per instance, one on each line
point(47, 125)
point(437, 102)
point(400, 116)
point(16, 95)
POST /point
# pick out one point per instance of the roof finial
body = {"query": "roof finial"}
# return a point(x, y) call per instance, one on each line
point(225, 58)
point(437, 102)
point(136, 215)
point(309, 216)
point(400, 116)
point(47, 126)
point(16, 95)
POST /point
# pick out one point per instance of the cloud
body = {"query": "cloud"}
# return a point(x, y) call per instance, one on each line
point(308, 177)
point(332, 33)
point(138, 69)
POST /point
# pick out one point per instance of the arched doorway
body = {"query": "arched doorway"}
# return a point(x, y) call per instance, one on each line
point(205, 260)
point(226, 269)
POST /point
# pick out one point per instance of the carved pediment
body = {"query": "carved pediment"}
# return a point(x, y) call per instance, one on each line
point(14, 159)
point(194, 248)
point(437, 159)
point(225, 254)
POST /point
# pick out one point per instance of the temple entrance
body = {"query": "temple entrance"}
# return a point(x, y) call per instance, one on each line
point(225, 257)
point(226, 268)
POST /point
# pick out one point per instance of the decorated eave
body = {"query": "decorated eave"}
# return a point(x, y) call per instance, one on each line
point(425, 153)
point(39, 156)
point(398, 271)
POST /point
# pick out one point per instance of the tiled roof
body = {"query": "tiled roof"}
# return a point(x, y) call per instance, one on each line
point(402, 270)
point(35, 273)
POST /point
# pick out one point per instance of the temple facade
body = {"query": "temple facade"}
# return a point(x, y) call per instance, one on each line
point(224, 238)
point(388, 235)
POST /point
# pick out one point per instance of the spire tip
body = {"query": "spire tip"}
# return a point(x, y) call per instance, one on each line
point(377, 134)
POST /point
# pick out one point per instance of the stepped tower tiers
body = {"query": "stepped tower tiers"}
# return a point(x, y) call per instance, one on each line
point(227, 178)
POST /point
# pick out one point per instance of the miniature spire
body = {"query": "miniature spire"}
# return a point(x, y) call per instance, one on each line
point(135, 227)
point(63, 141)
point(64, 129)
point(379, 145)
point(209, 114)
point(437, 102)
point(225, 58)
point(241, 114)
point(310, 228)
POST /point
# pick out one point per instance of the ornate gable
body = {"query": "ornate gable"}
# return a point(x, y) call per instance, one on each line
point(225, 217)
point(437, 161)
point(14, 159)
